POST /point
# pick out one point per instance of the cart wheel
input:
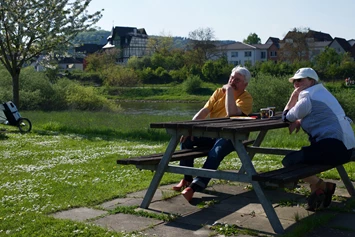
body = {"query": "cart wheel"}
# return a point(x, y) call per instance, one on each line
point(24, 124)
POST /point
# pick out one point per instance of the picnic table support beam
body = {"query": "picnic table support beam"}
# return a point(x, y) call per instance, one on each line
point(160, 170)
point(256, 143)
point(347, 182)
point(266, 204)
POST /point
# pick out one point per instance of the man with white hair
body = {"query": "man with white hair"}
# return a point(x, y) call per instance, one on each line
point(230, 100)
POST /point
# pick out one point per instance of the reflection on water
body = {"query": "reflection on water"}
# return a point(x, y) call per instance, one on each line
point(161, 108)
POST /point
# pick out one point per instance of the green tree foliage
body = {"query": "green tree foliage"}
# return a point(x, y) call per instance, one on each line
point(99, 61)
point(39, 93)
point(217, 70)
point(268, 90)
point(331, 65)
point(120, 76)
point(30, 27)
point(252, 38)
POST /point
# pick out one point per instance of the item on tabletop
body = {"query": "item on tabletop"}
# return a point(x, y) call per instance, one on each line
point(266, 113)
point(243, 117)
point(272, 108)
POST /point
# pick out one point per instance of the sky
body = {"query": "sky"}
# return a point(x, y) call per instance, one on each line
point(229, 19)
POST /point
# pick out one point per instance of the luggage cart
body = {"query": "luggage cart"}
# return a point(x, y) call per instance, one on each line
point(10, 116)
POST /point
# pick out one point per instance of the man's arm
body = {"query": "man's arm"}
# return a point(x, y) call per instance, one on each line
point(231, 108)
point(202, 114)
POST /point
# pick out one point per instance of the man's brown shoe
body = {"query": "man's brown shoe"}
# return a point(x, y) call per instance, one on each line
point(188, 193)
point(183, 183)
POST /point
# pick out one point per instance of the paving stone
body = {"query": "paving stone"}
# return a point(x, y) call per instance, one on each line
point(230, 204)
point(125, 222)
point(110, 205)
point(79, 214)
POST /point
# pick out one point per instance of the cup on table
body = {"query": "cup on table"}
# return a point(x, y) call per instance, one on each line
point(266, 113)
point(272, 108)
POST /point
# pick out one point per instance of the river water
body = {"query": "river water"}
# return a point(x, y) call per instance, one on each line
point(161, 108)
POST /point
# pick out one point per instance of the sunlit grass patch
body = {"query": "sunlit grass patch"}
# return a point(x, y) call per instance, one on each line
point(69, 160)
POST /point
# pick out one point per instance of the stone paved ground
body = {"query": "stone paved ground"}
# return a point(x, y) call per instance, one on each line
point(229, 204)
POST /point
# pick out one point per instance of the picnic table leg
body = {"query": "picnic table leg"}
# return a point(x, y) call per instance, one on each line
point(160, 171)
point(266, 204)
point(256, 143)
point(347, 182)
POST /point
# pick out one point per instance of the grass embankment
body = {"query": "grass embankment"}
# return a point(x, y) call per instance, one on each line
point(69, 160)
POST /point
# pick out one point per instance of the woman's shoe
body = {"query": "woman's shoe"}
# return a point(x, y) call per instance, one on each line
point(329, 191)
point(315, 201)
point(183, 183)
point(188, 193)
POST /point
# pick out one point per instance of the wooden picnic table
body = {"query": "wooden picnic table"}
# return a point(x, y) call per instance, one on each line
point(238, 131)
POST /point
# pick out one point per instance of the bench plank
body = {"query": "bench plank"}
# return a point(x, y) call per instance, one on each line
point(293, 173)
point(155, 158)
point(178, 155)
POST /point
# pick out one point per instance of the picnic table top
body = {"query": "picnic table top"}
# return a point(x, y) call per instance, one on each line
point(225, 124)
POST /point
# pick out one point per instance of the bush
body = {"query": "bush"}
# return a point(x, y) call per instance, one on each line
point(347, 100)
point(267, 91)
point(120, 76)
point(86, 98)
point(192, 84)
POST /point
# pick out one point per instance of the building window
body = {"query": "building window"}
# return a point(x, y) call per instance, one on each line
point(273, 53)
point(234, 54)
point(235, 63)
point(263, 55)
point(247, 54)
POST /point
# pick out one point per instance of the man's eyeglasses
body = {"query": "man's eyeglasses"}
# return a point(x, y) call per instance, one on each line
point(297, 80)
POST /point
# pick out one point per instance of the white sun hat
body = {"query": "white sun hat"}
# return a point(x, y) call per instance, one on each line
point(304, 73)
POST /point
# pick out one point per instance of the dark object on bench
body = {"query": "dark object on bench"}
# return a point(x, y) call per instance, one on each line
point(293, 173)
point(178, 155)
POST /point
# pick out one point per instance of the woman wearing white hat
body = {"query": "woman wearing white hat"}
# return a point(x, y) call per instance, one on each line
point(313, 108)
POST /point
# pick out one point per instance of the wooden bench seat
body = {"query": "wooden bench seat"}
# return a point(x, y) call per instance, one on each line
point(178, 155)
point(294, 173)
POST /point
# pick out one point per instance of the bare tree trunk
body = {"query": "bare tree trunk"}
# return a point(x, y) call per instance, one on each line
point(16, 89)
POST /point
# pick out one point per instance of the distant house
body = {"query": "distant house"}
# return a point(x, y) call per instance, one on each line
point(239, 53)
point(129, 40)
point(70, 63)
point(272, 52)
point(298, 45)
point(340, 45)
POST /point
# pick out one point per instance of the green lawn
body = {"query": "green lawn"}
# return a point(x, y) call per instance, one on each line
point(69, 160)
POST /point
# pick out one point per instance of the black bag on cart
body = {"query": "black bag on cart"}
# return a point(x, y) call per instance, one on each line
point(11, 113)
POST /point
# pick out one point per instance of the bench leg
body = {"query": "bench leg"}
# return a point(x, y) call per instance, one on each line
point(347, 182)
point(265, 203)
point(268, 208)
point(160, 172)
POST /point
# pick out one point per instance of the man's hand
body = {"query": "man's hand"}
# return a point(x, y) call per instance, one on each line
point(295, 125)
point(227, 87)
